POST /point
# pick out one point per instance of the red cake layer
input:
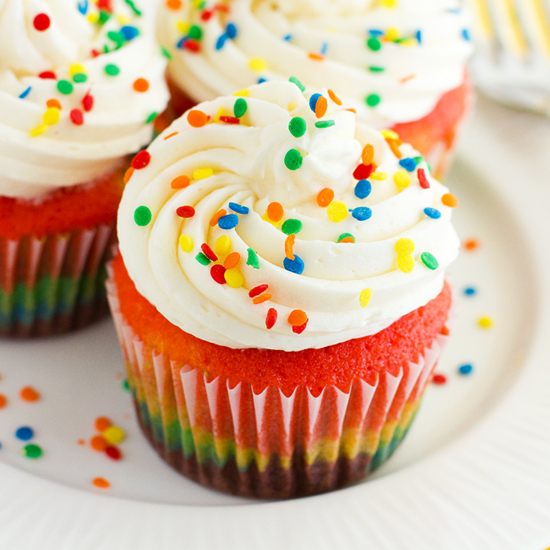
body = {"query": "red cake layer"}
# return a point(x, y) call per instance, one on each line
point(339, 364)
point(81, 206)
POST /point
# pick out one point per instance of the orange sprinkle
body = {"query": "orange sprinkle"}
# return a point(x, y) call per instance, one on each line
point(297, 318)
point(81, 442)
point(325, 196)
point(449, 200)
point(395, 147)
point(471, 244)
point(334, 97)
point(321, 107)
point(98, 443)
point(141, 85)
point(180, 182)
point(171, 135)
point(197, 118)
point(262, 298)
point(102, 423)
point(289, 245)
point(232, 260)
point(28, 393)
point(407, 78)
point(101, 483)
point(348, 240)
point(316, 56)
point(275, 211)
point(217, 216)
point(3, 401)
point(445, 331)
point(128, 174)
point(53, 104)
point(351, 110)
point(368, 154)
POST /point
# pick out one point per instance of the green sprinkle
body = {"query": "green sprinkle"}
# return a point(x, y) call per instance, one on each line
point(240, 107)
point(374, 44)
point(291, 226)
point(142, 216)
point(293, 159)
point(111, 70)
point(429, 260)
point(253, 259)
point(297, 126)
point(375, 69)
point(151, 117)
point(64, 87)
point(294, 80)
point(195, 32)
point(104, 16)
point(165, 52)
point(117, 38)
point(202, 258)
point(133, 7)
point(32, 451)
point(324, 123)
point(80, 77)
point(125, 385)
point(202, 5)
point(418, 160)
point(373, 100)
point(345, 236)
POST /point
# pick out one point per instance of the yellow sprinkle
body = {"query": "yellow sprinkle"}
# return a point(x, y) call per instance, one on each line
point(202, 173)
point(389, 3)
point(38, 130)
point(122, 19)
point(186, 243)
point(77, 68)
point(392, 34)
point(266, 218)
point(183, 26)
point(245, 92)
point(389, 134)
point(113, 435)
point(93, 17)
point(409, 42)
point(51, 116)
point(337, 211)
point(234, 278)
point(404, 247)
point(257, 64)
point(365, 296)
point(405, 263)
point(485, 322)
point(222, 246)
point(291, 106)
point(197, 3)
point(402, 179)
point(379, 176)
point(221, 112)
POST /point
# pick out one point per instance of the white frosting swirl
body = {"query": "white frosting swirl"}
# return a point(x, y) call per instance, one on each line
point(114, 126)
point(248, 165)
point(408, 75)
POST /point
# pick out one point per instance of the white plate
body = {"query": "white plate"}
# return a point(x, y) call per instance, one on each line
point(473, 472)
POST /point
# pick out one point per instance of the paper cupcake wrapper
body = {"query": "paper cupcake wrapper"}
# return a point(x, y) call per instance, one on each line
point(268, 445)
point(55, 283)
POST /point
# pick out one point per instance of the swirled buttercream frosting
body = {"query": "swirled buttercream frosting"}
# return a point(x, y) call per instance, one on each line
point(273, 219)
point(390, 60)
point(80, 83)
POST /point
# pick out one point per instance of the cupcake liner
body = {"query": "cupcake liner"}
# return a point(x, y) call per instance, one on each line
point(53, 284)
point(268, 445)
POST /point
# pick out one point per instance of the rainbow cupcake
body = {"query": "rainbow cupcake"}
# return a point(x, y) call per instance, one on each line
point(279, 294)
point(400, 65)
point(80, 86)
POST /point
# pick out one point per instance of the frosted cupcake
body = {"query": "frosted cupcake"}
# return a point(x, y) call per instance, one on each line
point(80, 85)
point(399, 64)
point(279, 294)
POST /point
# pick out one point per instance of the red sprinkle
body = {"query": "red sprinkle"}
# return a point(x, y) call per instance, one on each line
point(87, 102)
point(363, 171)
point(230, 119)
point(95, 53)
point(424, 183)
point(192, 45)
point(217, 272)
point(47, 75)
point(141, 160)
point(208, 252)
point(185, 211)
point(113, 452)
point(271, 318)
point(105, 5)
point(41, 22)
point(300, 329)
point(439, 379)
point(206, 15)
point(76, 117)
point(257, 290)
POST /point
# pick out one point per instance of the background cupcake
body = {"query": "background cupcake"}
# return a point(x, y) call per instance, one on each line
point(280, 294)
point(80, 85)
point(399, 64)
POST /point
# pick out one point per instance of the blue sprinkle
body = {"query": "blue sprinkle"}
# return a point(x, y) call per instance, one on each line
point(182, 42)
point(295, 266)
point(221, 41)
point(418, 36)
point(287, 37)
point(324, 48)
point(231, 30)
point(363, 189)
point(83, 7)
point(361, 213)
point(465, 369)
point(25, 93)
point(470, 291)
point(432, 213)
point(24, 433)
point(228, 222)
point(313, 101)
point(262, 79)
point(239, 208)
point(375, 32)
point(466, 35)
point(409, 164)
point(129, 32)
